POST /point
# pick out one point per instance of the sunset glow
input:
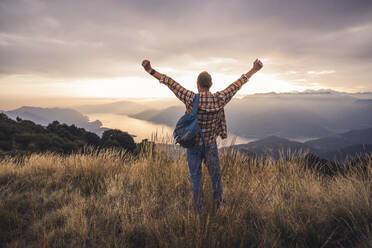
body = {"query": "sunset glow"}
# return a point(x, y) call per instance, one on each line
point(98, 53)
point(138, 87)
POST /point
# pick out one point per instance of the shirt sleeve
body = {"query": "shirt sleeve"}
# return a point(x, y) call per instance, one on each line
point(181, 93)
point(227, 94)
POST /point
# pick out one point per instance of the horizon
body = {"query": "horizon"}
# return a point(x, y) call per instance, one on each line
point(9, 103)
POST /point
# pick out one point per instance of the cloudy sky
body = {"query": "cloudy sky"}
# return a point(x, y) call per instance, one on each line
point(94, 48)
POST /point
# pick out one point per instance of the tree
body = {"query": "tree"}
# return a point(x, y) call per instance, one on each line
point(117, 138)
point(26, 136)
point(92, 138)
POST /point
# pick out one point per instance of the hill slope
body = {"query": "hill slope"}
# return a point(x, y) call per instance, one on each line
point(336, 147)
point(334, 142)
point(272, 146)
point(108, 199)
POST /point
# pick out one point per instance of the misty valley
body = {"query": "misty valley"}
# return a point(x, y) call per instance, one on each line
point(330, 124)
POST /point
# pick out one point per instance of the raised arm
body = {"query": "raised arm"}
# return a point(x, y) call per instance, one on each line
point(181, 93)
point(231, 90)
point(147, 66)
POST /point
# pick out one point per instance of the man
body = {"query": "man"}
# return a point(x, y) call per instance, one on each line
point(211, 119)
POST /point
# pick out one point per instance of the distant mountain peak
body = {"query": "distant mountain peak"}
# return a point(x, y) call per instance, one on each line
point(33, 108)
point(323, 91)
point(274, 138)
point(25, 108)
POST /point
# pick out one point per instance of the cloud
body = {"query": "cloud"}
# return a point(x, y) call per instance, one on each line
point(88, 39)
point(321, 72)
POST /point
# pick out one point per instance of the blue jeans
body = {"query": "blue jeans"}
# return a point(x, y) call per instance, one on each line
point(194, 158)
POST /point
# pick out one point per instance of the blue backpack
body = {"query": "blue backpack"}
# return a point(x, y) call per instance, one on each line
point(187, 127)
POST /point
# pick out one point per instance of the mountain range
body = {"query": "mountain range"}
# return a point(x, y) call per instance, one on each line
point(322, 117)
point(292, 115)
point(335, 147)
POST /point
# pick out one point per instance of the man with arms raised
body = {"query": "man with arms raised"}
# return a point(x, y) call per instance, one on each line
point(211, 119)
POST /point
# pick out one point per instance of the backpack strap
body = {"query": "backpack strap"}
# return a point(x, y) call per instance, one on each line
point(196, 104)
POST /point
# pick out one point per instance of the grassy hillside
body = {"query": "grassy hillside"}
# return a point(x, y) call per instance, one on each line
point(110, 199)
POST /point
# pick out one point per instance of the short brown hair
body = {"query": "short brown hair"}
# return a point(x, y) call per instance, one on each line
point(204, 80)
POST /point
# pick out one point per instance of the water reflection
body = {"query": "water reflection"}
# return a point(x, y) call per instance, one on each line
point(141, 129)
point(148, 130)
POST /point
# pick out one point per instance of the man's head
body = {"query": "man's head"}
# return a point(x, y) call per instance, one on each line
point(204, 81)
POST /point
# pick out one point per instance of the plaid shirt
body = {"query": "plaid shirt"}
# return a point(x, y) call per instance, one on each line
point(211, 114)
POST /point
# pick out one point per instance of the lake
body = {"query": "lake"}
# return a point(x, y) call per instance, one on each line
point(149, 130)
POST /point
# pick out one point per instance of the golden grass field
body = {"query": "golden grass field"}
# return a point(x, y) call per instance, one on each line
point(112, 199)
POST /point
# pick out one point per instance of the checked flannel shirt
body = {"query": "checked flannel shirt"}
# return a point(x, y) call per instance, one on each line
point(211, 115)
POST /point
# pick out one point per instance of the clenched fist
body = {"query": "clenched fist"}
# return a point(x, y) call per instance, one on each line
point(146, 65)
point(257, 65)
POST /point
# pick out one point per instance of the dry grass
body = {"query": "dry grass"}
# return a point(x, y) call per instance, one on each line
point(108, 199)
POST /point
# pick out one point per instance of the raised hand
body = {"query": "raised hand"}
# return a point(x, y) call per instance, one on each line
point(257, 65)
point(146, 65)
